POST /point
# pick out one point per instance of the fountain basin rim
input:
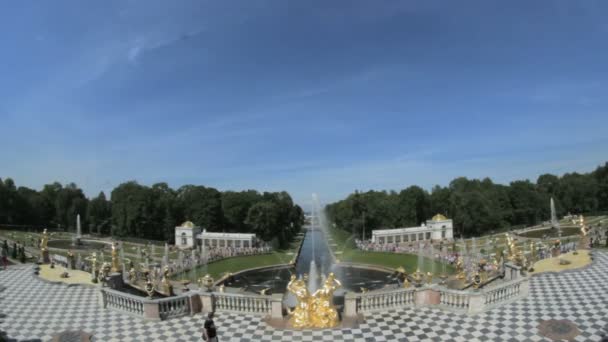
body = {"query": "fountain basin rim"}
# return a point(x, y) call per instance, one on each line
point(261, 268)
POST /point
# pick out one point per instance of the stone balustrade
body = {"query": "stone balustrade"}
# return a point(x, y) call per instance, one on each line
point(152, 309)
point(122, 301)
point(173, 307)
point(242, 303)
point(505, 292)
point(385, 300)
point(469, 301)
point(454, 299)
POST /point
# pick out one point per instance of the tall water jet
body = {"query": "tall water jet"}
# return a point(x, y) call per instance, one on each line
point(166, 255)
point(76, 239)
point(473, 251)
point(554, 221)
point(313, 277)
point(420, 257)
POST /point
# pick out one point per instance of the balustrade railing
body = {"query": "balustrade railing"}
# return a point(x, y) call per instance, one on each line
point(385, 300)
point(453, 299)
point(173, 307)
point(123, 302)
point(235, 302)
point(503, 293)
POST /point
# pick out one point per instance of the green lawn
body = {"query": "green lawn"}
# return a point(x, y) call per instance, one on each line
point(348, 252)
point(235, 264)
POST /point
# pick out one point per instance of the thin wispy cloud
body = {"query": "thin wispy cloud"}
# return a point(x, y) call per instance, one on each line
point(309, 96)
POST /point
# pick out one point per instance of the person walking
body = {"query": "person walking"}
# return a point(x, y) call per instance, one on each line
point(4, 255)
point(209, 330)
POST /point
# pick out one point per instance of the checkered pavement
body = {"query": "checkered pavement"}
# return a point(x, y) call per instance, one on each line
point(33, 309)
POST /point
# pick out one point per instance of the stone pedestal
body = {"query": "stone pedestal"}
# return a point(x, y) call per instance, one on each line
point(115, 281)
point(45, 259)
point(206, 299)
point(151, 311)
point(427, 297)
point(195, 303)
point(476, 303)
point(276, 310)
point(556, 252)
point(350, 305)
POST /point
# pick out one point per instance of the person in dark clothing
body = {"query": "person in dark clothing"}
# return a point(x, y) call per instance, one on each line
point(209, 330)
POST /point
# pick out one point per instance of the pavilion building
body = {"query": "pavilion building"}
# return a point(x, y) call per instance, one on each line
point(185, 235)
point(190, 236)
point(437, 228)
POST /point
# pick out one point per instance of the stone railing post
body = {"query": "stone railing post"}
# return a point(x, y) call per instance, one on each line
point(207, 302)
point(276, 306)
point(524, 287)
point(427, 296)
point(512, 271)
point(194, 300)
point(350, 305)
point(151, 311)
point(101, 298)
point(476, 302)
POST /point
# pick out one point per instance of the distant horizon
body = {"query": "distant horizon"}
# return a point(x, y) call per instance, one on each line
point(314, 96)
point(306, 206)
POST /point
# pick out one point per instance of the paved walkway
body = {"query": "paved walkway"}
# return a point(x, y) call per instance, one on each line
point(33, 309)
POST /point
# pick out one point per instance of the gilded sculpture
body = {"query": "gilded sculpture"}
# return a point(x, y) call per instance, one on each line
point(300, 315)
point(167, 287)
point(115, 260)
point(44, 241)
point(316, 310)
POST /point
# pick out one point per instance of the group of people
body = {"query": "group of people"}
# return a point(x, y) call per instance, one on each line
point(217, 253)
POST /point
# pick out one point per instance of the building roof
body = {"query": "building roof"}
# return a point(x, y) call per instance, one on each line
point(226, 235)
point(187, 224)
point(439, 217)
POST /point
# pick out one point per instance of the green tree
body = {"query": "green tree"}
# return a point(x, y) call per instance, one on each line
point(99, 215)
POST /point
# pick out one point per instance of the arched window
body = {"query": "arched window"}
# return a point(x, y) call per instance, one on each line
point(184, 239)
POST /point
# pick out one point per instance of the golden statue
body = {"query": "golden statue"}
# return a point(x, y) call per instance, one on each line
point(322, 309)
point(460, 268)
point(132, 276)
point(44, 241)
point(429, 277)
point(402, 273)
point(93, 259)
point(167, 287)
point(300, 315)
point(115, 261)
point(316, 310)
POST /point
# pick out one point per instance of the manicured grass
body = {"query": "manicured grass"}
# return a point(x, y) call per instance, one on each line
point(394, 260)
point(235, 264)
point(349, 253)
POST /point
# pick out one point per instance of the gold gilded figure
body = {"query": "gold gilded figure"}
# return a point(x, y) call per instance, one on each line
point(300, 315)
point(44, 240)
point(323, 313)
point(115, 261)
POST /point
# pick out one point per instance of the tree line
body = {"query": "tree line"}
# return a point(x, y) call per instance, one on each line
point(475, 206)
point(152, 212)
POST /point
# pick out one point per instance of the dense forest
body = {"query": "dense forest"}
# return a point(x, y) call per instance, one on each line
point(140, 211)
point(476, 206)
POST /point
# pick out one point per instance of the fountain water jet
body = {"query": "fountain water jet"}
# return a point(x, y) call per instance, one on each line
point(76, 239)
point(554, 221)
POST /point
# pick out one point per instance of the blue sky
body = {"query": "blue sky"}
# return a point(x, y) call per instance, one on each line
point(306, 96)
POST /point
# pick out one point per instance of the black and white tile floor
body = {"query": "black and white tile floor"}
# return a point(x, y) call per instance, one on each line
point(32, 309)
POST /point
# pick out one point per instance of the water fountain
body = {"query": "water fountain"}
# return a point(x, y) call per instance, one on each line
point(166, 255)
point(554, 221)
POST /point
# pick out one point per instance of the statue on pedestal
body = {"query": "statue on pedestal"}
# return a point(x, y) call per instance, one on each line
point(299, 316)
point(323, 311)
point(44, 251)
point(167, 287)
point(115, 261)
